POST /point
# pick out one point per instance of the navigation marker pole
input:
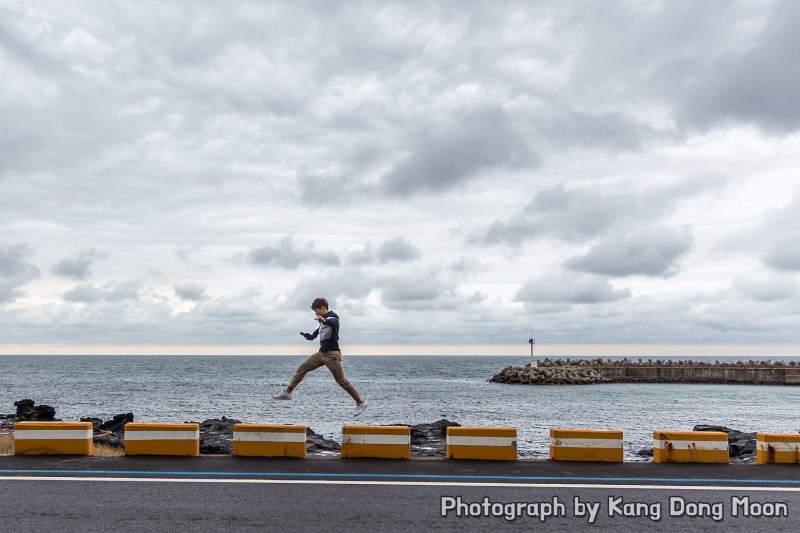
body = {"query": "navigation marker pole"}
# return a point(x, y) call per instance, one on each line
point(532, 342)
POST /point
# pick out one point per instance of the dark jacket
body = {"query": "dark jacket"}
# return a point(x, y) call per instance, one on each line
point(328, 333)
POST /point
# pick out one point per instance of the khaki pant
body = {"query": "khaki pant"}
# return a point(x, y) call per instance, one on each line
point(333, 360)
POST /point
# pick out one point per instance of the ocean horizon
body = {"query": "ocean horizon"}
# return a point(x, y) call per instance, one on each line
point(520, 349)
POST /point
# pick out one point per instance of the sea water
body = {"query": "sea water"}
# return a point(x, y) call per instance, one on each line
point(398, 389)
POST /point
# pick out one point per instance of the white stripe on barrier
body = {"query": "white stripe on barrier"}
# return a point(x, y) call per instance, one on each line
point(558, 442)
point(268, 436)
point(460, 440)
point(162, 435)
point(375, 439)
point(53, 434)
point(693, 444)
point(779, 446)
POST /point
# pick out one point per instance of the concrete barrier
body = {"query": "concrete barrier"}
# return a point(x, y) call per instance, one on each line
point(586, 445)
point(150, 438)
point(493, 443)
point(53, 438)
point(385, 442)
point(777, 448)
point(269, 440)
point(690, 447)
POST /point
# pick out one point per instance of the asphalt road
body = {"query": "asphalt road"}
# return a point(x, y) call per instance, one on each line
point(224, 493)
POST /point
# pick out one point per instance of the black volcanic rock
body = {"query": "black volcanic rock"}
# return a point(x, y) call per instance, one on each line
point(28, 410)
point(317, 444)
point(112, 432)
point(741, 445)
point(95, 421)
point(429, 440)
point(112, 440)
point(216, 436)
point(117, 424)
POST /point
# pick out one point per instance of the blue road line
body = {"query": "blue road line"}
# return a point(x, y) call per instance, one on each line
point(404, 476)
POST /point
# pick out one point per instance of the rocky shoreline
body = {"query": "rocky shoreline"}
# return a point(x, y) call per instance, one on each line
point(598, 371)
point(216, 434)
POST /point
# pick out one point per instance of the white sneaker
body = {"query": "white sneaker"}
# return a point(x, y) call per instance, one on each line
point(360, 408)
point(283, 396)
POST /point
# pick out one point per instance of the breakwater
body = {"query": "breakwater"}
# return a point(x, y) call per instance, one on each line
point(598, 370)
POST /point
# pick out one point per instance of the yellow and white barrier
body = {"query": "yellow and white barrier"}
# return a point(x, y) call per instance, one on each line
point(586, 445)
point(690, 447)
point(150, 438)
point(777, 448)
point(494, 443)
point(269, 440)
point(58, 438)
point(385, 442)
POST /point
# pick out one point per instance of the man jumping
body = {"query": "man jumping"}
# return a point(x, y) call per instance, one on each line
point(328, 355)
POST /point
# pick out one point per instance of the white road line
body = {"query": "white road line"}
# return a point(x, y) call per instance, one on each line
point(739, 488)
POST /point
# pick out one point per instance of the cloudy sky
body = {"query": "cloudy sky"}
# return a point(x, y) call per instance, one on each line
point(192, 174)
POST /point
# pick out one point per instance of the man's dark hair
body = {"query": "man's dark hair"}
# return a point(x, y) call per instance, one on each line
point(320, 302)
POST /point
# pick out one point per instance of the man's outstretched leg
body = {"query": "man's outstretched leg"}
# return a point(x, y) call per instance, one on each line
point(312, 363)
point(333, 360)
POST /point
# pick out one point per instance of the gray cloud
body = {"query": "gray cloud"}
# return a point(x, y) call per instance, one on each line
point(464, 266)
point(116, 291)
point(336, 285)
point(421, 288)
point(575, 214)
point(424, 289)
point(173, 138)
point(15, 270)
point(184, 252)
point(123, 290)
point(194, 292)
point(397, 250)
point(778, 237)
point(570, 128)
point(365, 256)
point(317, 189)
point(759, 84)
point(448, 157)
point(230, 309)
point(766, 288)
point(286, 255)
point(80, 267)
point(582, 213)
point(648, 252)
point(783, 253)
point(84, 293)
point(568, 288)
point(710, 66)
point(401, 290)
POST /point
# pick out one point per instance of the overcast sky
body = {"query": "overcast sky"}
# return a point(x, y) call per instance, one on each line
point(195, 173)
